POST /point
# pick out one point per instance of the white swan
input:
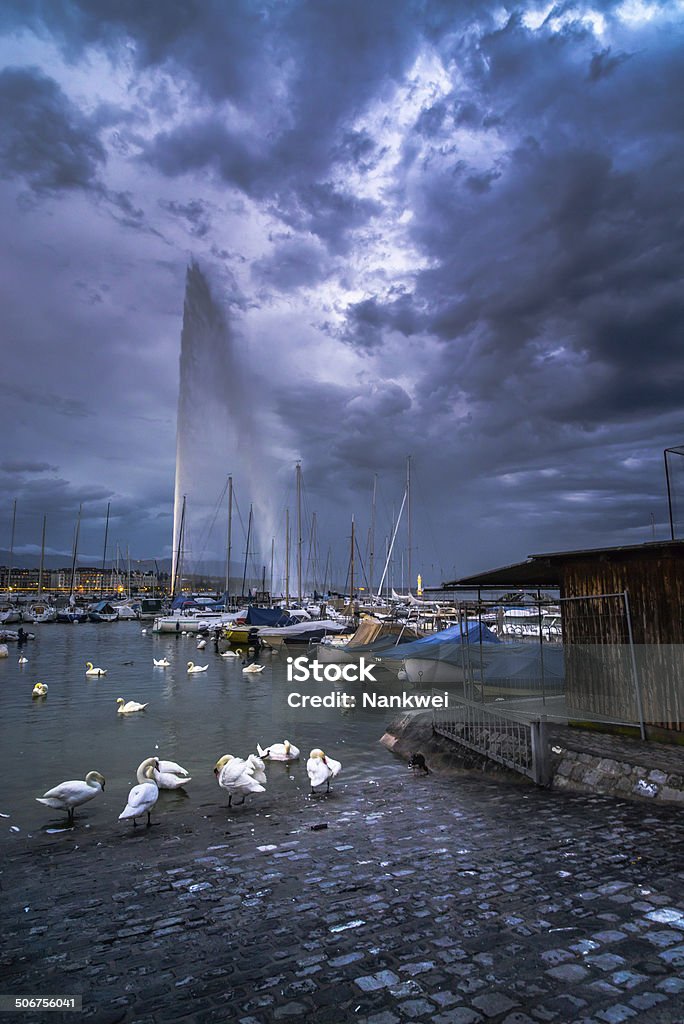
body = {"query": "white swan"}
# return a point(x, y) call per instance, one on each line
point(90, 671)
point(259, 774)
point(279, 751)
point(231, 654)
point(23, 660)
point(142, 797)
point(128, 707)
point(201, 644)
point(237, 777)
point(69, 795)
point(167, 774)
point(253, 668)
point(40, 690)
point(161, 662)
point(321, 768)
point(196, 668)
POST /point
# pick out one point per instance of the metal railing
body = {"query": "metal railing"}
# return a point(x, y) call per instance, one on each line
point(511, 739)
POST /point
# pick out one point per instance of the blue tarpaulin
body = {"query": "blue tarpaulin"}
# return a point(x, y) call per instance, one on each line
point(428, 646)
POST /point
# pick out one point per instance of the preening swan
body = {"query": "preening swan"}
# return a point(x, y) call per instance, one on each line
point(201, 644)
point(167, 774)
point(69, 795)
point(259, 774)
point(279, 751)
point(40, 690)
point(128, 707)
point(196, 668)
point(144, 796)
point(253, 668)
point(321, 769)
point(90, 671)
point(237, 777)
point(161, 662)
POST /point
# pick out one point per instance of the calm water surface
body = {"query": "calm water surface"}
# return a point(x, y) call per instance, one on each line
point(191, 719)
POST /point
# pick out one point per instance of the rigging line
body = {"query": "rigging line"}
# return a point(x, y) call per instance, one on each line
point(363, 568)
point(205, 540)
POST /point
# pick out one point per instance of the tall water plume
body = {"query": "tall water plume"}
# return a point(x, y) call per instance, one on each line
point(217, 431)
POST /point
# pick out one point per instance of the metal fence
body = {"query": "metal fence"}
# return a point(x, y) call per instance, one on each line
point(514, 740)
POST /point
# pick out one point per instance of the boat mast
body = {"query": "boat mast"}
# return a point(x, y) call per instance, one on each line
point(408, 517)
point(11, 557)
point(249, 534)
point(42, 560)
point(287, 556)
point(128, 561)
point(391, 547)
point(270, 586)
point(372, 536)
point(299, 532)
point(75, 551)
point(179, 550)
point(229, 544)
point(351, 566)
point(104, 553)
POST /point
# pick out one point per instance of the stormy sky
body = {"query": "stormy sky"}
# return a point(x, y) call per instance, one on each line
point(445, 230)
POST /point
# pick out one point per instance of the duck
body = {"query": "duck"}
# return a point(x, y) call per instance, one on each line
point(167, 774)
point(161, 662)
point(321, 768)
point(201, 644)
point(253, 668)
point(128, 707)
point(196, 668)
point(23, 660)
point(279, 751)
point(90, 671)
point(40, 690)
point(144, 796)
point(71, 794)
point(237, 777)
point(231, 654)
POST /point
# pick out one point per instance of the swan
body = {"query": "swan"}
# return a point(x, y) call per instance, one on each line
point(23, 660)
point(128, 707)
point(231, 654)
point(90, 671)
point(196, 668)
point(72, 794)
point(237, 776)
point(259, 773)
point(167, 774)
point(201, 644)
point(144, 796)
point(321, 769)
point(279, 751)
point(161, 662)
point(253, 668)
point(40, 690)
point(143, 632)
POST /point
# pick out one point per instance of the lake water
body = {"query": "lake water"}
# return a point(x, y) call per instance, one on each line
point(191, 719)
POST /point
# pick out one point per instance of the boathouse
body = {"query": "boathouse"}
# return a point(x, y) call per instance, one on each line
point(623, 629)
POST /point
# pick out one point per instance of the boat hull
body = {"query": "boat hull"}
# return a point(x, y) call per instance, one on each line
point(432, 673)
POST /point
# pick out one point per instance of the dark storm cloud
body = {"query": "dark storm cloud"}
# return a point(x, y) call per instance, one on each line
point(45, 138)
point(196, 213)
point(368, 321)
point(27, 467)
point(293, 263)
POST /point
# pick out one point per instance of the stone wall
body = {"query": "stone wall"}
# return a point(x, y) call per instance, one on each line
point(584, 772)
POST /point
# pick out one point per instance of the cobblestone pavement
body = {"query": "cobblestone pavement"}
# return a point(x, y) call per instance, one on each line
point(452, 899)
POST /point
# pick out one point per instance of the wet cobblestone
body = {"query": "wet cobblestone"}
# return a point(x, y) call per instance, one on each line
point(454, 900)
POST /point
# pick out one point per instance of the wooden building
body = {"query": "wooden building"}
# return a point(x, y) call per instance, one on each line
point(623, 628)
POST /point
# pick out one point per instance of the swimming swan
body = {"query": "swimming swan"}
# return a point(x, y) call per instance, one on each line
point(142, 797)
point(23, 660)
point(90, 671)
point(196, 668)
point(279, 751)
point(237, 777)
point(128, 707)
point(201, 644)
point(167, 774)
point(253, 668)
point(321, 769)
point(161, 662)
point(231, 654)
point(40, 690)
point(69, 795)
